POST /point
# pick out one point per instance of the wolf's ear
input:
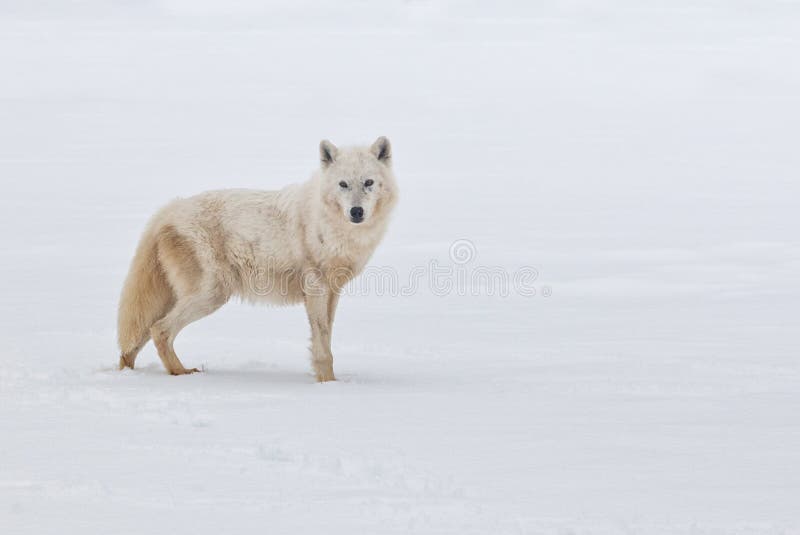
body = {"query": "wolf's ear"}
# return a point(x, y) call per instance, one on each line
point(382, 149)
point(327, 152)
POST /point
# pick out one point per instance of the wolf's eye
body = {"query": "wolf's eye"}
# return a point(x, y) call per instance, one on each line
point(368, 183)
point(343, 184)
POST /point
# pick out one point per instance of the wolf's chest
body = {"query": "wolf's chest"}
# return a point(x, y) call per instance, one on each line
point(345, 259)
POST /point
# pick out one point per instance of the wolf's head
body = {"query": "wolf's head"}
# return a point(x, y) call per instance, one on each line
point(357, 183)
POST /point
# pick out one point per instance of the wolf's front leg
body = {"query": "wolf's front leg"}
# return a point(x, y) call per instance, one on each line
point(320, 320)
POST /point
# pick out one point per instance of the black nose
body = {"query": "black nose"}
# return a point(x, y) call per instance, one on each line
point(357, 213)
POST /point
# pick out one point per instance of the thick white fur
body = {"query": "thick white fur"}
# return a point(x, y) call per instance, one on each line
point(296, 244)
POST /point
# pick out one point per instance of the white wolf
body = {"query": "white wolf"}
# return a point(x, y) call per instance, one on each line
point(301, 243)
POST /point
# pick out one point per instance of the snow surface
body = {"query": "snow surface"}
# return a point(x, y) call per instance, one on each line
point(641, 156)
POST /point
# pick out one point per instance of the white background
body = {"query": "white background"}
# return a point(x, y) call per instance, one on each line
point(642, 156)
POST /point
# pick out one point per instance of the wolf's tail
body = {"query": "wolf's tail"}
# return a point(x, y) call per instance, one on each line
point(146, 298)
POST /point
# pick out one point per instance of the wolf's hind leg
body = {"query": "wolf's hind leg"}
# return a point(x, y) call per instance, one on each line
point(186, 310)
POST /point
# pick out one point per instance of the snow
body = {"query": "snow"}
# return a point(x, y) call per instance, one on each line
point(641, 157)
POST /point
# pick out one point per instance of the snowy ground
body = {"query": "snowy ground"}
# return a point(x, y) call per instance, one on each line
point(641, 156)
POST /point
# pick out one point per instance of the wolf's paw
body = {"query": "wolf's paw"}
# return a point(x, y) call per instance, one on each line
point(185, 371)
point(325, 376)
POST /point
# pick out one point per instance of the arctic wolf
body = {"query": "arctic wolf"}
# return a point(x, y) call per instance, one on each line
point(299, 244)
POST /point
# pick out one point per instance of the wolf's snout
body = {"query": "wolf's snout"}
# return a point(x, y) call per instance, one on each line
point(356, 214)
